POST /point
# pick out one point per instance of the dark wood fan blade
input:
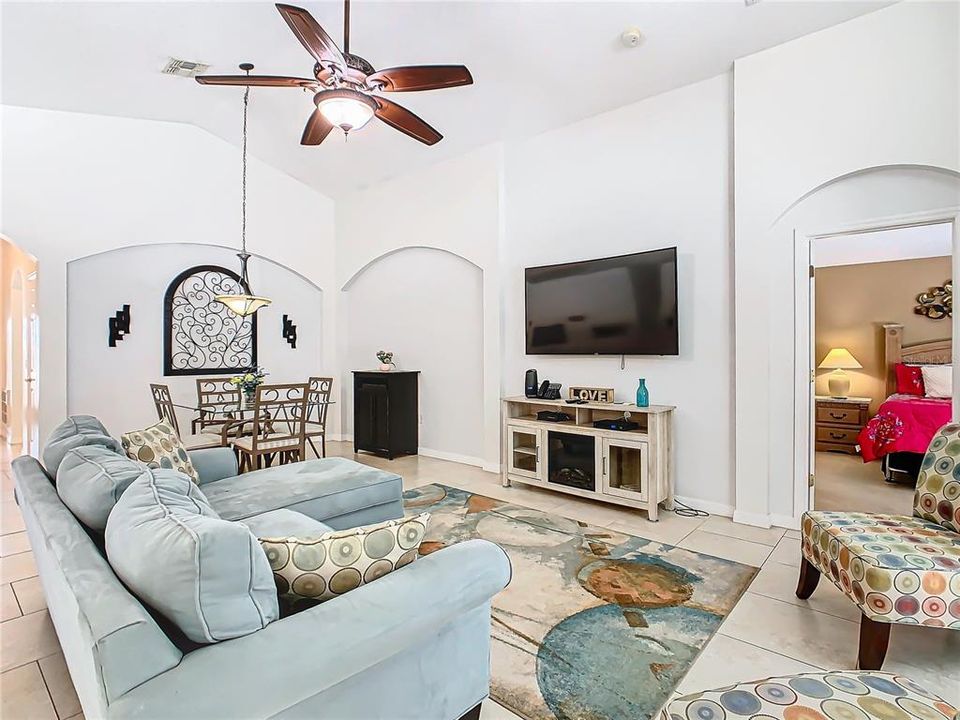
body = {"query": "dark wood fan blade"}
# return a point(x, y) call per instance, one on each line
point(399, 118)
point(257, 80)
point(316, 130)
point(421, 77)
point(313, 37)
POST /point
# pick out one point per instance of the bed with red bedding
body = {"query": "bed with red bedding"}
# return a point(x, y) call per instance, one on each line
point(903, 423)
point(907, 420)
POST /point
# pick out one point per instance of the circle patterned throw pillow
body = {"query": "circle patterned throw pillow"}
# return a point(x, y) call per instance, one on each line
point(340, 561)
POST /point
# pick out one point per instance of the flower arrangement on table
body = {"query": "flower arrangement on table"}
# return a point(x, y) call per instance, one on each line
point(386, 360)
point(249, 382)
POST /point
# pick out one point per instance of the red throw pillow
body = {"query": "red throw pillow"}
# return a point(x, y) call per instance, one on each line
point(909, 379)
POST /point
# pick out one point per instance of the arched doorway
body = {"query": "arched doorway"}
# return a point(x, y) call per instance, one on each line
point(871, 200)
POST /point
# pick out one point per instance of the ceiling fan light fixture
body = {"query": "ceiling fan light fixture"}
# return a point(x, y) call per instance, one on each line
point(345, 109)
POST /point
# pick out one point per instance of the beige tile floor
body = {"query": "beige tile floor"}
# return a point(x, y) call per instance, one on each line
point(769, 632)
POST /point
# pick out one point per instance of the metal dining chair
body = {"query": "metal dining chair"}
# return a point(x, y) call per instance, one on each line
point(166, 412)
point(215, 397)
point(320, 390)
point(277, 430)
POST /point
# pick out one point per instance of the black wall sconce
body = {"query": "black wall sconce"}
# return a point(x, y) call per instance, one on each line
point(290, 332)
point(119, 325)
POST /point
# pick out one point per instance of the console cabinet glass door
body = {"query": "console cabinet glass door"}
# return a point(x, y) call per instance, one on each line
point(524, 451)
point(624, 468)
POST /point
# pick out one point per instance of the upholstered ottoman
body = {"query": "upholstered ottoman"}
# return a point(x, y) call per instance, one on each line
point(336, 491)
point(816, 696)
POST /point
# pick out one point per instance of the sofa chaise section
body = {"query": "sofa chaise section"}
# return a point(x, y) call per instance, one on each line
point(338, 492)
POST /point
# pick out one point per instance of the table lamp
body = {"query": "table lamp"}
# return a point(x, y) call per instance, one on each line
point(838, 360)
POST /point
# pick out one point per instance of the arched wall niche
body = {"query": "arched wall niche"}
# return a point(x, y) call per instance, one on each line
point(425, 304)
point(99, 284)
point(867, 198)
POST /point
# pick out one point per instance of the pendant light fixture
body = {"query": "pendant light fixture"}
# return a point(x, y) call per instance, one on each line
point(246, 303)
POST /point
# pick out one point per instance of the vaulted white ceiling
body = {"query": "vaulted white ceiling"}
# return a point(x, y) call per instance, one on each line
point(536, 65)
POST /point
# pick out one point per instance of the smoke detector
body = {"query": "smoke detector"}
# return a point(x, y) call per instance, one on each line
point(183, 68)
point(631, 37)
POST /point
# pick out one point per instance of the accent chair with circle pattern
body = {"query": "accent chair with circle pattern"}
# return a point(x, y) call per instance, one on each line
point(838, 695)
point(896, 568)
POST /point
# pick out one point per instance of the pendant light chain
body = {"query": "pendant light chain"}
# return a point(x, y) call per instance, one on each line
point(243, 185)
point(244, 303)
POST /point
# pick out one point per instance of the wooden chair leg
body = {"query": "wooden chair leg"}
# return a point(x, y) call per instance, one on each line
point(809, 577)
point(472, 714)
point(874, 639)
point(313, 447)
point(323, 444)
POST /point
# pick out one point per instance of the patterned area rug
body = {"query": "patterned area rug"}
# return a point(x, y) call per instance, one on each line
point(596, 624)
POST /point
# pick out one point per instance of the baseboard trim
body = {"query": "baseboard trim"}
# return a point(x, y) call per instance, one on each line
point(451, 457)
point(491, 467)
point(714, 508)
point(755, 519)
point(785, 521)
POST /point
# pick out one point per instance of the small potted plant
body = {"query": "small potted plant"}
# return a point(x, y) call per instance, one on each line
point(386, 360)
point(248, 383)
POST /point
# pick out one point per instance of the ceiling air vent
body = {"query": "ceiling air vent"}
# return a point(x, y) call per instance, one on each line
point(183, 68)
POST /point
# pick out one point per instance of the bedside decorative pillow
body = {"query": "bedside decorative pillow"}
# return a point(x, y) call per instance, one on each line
point(909, 379)
point(937, 380)
point(158, 446)
point(337, 562)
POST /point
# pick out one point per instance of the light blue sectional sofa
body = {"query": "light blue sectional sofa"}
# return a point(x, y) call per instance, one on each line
point(412, 644)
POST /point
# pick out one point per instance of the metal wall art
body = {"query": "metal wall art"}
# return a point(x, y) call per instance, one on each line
point(200, 335)
point(289, 332)
point(118, 325)
point(937, 302)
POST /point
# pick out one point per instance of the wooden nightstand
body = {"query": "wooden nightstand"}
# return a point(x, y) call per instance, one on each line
point(839, 421)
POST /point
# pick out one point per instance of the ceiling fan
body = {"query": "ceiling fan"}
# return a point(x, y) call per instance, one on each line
point(345, 83)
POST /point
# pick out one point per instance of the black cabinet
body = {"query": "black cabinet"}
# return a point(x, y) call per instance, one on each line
point(385, 412)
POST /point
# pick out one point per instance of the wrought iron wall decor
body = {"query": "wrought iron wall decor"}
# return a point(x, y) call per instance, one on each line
point(289, 332)
point(937, 302)
point(200, 335)
point(118, 325)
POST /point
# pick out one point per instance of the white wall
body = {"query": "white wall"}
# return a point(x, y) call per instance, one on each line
point(75, 185)
point(453, 206)
point(426, 306)
point(95, 290)
point(649, 175)
point(880, 90)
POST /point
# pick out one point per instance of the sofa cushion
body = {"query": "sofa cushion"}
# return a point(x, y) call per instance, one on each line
point(90, 481)
point(76, 431)
point(323, 489)
point(285, 523)
point(206, 575)
point(158, 446)
point(937, 497)
point(321, 568)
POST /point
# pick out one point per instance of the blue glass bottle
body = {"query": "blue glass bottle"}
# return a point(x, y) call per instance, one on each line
point(643, 397)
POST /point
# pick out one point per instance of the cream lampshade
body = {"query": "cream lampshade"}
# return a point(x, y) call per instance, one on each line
point(838, 360)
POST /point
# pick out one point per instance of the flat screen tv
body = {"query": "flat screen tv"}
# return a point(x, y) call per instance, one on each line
point(625, 305)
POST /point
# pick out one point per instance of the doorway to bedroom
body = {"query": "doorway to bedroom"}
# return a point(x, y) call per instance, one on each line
point(881, 331)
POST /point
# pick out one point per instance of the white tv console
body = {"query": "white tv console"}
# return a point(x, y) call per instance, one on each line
point(632, 468)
